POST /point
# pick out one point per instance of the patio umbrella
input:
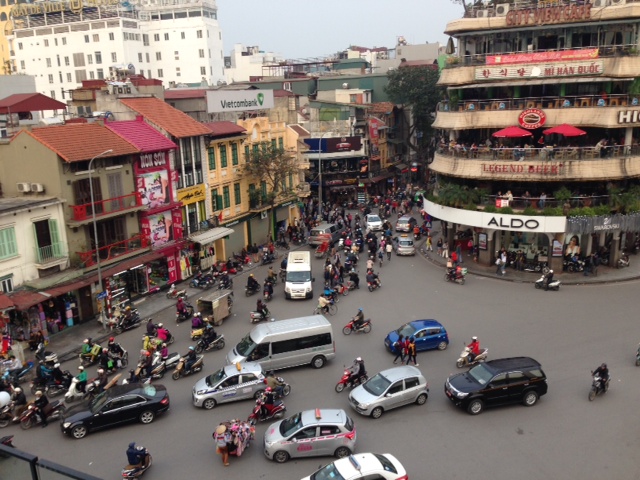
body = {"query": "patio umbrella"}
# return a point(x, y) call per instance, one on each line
point(566, 130)
point(512, 132)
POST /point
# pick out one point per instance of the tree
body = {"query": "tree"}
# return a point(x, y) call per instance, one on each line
point(415, 87)
point(273, 166)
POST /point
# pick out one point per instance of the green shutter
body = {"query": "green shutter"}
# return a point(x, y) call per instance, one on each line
point(234, 153)
point(246, 153)
point(291, 181)
point(237, 194)
point(212, 158)
point(281, 143)
point(273, 144)
point(39, 256)
point(56, 245)
point(214, 200)
point(226, 197)
point(223, 156)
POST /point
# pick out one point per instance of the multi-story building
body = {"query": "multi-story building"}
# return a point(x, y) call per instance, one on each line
point(540, 65)
point(177, 42)
point(245, 63)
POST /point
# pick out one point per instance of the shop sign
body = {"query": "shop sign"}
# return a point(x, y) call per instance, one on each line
point(286, 204)
point(532, 118)
point(628, 116)
point(534, 57)
point(333, 182)
point(176, 216)
point(513, 223)
point(75, 6)
point(350, 181)
point(172, 269)
point(541, 70)
point(548, 15)
point(191, 194)
point(219, 101)
point(603, 224)
point(154, 188)
point(151, 160)
point(540, 169)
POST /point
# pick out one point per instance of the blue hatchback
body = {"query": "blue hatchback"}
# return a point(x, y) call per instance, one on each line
point(429, 335)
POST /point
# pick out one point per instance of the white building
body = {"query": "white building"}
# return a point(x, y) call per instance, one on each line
point(177, 41)
point(245, 62)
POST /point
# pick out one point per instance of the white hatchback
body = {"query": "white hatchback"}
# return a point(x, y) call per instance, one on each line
point(383, 466)
point(373, 223)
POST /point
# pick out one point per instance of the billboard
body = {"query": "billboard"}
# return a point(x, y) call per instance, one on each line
point(154, 188)
point(219, 101)
point(334, 144)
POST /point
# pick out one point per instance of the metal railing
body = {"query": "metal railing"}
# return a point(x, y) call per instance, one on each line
point(104, 207)
point(520, 203)
point(490, 7)
point(547, 153)
point(51, 252)
point(117, 249)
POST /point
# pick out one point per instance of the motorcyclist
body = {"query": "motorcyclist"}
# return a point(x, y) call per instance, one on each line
point(268, 287)
point(128, 316)
point(358, 320)
point(261, 307)
point(603, 372)
point(283, 263)
point(104, 360)
point(57, 374)
point(181, 306)
point(146, 363)
point(373, 278)
point(274, 383)
point(164, 351)
point(82, 379)
point(357, 370)
point(19, 400)
point(103, 379)
point(40, 402)
point(190, 358)
point(151, 327)
point(353, 276)
point(209, 334)
point(196, 321)
point(162, 333)
point(252, 283)
point(271, 275)
point(267, 399)
point(548, 278)
point(474, 349)
point(225, 282)
point(136, 456)
point(116, 351)
point(13, 366)
point(87, 347)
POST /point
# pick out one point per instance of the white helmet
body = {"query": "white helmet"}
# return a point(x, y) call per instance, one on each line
point(160, 325)
point(359, 359)
point(474, 338)
point(550, 271)
point(57, 365)
point(100, 371)
point(17, 390)
point(80, 368)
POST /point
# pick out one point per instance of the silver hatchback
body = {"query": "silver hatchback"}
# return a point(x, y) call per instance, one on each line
point(232, 382)
point(390, 389)
point(312, 433)
point(405, 246)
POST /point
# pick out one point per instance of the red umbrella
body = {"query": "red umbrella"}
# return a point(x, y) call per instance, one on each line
point(566, 130)
point(512, 132)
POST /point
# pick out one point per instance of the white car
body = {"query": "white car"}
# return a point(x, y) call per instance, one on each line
point(362, 466)
point(374, 223)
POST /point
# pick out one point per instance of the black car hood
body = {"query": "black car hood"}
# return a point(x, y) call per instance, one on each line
point(463, 382)
point(78, 412)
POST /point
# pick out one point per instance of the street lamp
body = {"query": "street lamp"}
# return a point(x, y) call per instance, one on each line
point(95, 232)
point(320, 172)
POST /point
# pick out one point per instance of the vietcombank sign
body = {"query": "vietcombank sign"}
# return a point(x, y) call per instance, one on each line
point(232, 100)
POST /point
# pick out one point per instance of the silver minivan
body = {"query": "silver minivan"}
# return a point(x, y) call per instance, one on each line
point(319, 233)
point(287, 343)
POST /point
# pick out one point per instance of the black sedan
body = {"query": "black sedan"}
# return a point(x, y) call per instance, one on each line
point(117, 405)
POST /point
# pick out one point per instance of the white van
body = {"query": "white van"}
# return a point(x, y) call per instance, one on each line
point(287, 343)
point(299, 282)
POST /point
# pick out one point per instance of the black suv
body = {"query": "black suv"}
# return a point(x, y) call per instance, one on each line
point(497, 382)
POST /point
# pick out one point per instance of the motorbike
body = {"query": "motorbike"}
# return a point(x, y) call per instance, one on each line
point(88, 359)
point(173, 292)
point(573, 264)
point(347, 382)
point(22, 376)
point(463, 361)
point(331, 294)
point(283, 274)
point(598, 386)
point(624, 261)
point(274, 411)
point(638, 356)
point(282, 244)
point(52, 411)
point(255, 316)
point(55, 388)
point(268, 258)
point(373, 286)
point(206, 345)
point(122, 324)
point(181, 371)
point(159, 366)
point(6, 415)
point(135, 471)
point(185, 314)
point(7, 441)
point(225, 284)
point(452, 275)
point(74, 393)
point(364, 328)
point(44, 356)
point(246, 260)
point(286, 389)
point(343, 289)
point(201, 281)
point(248, 291)
point(554, 285)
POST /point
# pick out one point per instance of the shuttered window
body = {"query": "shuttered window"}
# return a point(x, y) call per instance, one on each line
point(8, 244)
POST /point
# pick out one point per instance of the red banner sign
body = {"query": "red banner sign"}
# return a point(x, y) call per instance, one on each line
point(532, 118)
point(561, 56)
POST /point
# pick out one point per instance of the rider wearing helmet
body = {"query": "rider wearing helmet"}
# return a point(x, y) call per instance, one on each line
point(267, 399)
point(103, 379)
point(603, 372)
point(274, 383)
point(548, 278)
point(40, 403)
point(162, 333)
point(252, 283)
point(136, 456)
point(164, 351)
point(474, 348)
point(19, 400)
point(358, 320)
point(151, 327)
point(190, 358)
point(82, 378)
point(358, 370)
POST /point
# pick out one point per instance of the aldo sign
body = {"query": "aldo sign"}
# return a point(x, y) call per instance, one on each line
point(219, 101)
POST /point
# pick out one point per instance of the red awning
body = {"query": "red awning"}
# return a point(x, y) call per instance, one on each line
point(132, 262)
point(70, 287)
point(29, 102)
point(24, 299)
point(512, 132)
point(5, 303)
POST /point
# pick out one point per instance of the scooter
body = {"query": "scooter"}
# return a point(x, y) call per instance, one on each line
point(6, 415)
point(255, 317)
point(286, 389)
point(624, 261)
point(52, 411)
point(267, 293)
point(204, 345)
point(45, 356)
point(274, 411)
point(598, 387)
point(88, 359)
point(453, 276)
point(136, 471)
point(185, 314)
point(282, 244)
point(56, 388)
point(225, 284)
point(463, 361)
point(173, 292)
point(554, 285)
point(74, 392)
point(343, 289)
point(638, 356)
point(248, 291)
point(159, 366)
point(268, 258)
point(347, 382)
point(19, 377)
point(374, 285)
point(181, 371)
point(122, 325)
point(364, 328)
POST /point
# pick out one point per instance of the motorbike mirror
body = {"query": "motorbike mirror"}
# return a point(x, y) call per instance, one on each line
point(313, 279)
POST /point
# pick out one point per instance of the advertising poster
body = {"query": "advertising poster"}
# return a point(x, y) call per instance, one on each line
point(572, 244)
point(176, 216)
point(482, 241)
point(154, 188)
point(160, 229)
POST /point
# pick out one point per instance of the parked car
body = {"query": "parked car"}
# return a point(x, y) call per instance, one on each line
point(497, 382)
point(405, 246)
point(229, 384)
point(312, 433)
point(362, 466)
point(117, 405)
point(390, 389)
point(406, 224)
point(429, 334)
point(373, 222)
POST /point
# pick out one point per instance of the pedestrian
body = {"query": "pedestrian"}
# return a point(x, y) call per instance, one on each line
point(459, 251)
point(398, 346)
point(429, 246)
point(439, 246)
point(454, 259)
point(256, 253)
point(222, 437)
point(411, 352)
point(445, 249)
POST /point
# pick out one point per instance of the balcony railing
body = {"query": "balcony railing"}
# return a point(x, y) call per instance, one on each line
point(472, 11)
point(55, 251)
point(117, 249)
point(547, 153)
point(105, 207)
point(520, 203)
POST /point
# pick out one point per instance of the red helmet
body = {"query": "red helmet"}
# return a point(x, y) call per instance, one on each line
point(267, 390)
point(112, 339)
point(147, 353)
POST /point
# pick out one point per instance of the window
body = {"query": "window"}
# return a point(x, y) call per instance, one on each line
point(156, 37)
point(499, 380)
point(8, 244)
point(89, 59)
point(98, 57)
point(290, 181)
point(166, 36)
point(246, 153)
point(64, 40)
point(263, 189)
point(55, 41)
point(234, 153)
point(230, 382)
point(140, 57)
point(182, 35)
point(223, 156)
point(216, 204)
point(60, 76)
point(69, 78)
point(50, 78)
point(201, 53)
point(158, 55)
point(237, 194)
point(78, 59)
point(411, 382)
point(146, 55)
point(281, 143)
point(301, 343)
point(203, 70)
point(329, 430)
point(114, 57)
point(226, 197)
point(516, 377)
point(100, 74)
point(86, 39)
point(145, 40)
point(199, 34)
point(22, 64)
point(96, 37)
point(395, 388)
point(19, 45)
point(112, 36)
point(309, 432)
point(160, 73)
point(46, 42)
point(255, 147)
point(211, 153)
point(273, 144)
point(52, 94)
point(58, 60)
point(353, 98)
point(6, 283)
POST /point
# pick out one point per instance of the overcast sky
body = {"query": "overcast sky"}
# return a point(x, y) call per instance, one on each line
point(305, 28)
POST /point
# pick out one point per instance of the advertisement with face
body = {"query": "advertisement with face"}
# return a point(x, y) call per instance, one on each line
point(154, 188)
point(572, 247)
point(159, 228)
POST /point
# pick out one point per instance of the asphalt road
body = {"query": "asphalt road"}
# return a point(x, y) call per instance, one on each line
point(564, 436)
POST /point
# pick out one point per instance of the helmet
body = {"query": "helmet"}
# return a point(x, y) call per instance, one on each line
point(81, 368)
point(267, 390)
point(128, 308)
point(251, 274)
point(604, 365)
point(39, 393)
point(550, 271)
point(147, 353)
point(17, 390)
point(191, 348)
point(57, 365)
point(474, 338)
point(105, 350)
point(132, 444)
point(359, 359)
point(164, 345)
point(100, 371)
point(112, 339)
point(360, 309)
point(86, 340)
point(160, 325)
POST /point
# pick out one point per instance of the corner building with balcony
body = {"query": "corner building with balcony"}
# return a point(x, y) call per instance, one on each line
point(536, 65)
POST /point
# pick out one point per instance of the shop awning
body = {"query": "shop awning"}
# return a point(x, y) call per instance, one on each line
point(5, 303)
point(71, 286)
point(24, 299)
point(377, 179)
point(401, 166)
point(204, 238)
point(544, 81)
point(132, 262)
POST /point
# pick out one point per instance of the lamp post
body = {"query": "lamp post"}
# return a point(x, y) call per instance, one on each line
point(95, 232)
point(320, 172)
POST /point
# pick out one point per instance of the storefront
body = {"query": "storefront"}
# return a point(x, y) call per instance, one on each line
point(286, 214)
point(194, 210)
point(209, 246)
point(135, 277)
point(259, 227)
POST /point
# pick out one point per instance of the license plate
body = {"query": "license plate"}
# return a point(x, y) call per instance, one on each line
point(448, 393)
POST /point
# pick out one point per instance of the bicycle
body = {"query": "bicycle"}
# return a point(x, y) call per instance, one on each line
point(331, 309)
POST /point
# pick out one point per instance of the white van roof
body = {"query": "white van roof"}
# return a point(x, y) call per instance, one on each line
point(298, 257)
point(274, 330)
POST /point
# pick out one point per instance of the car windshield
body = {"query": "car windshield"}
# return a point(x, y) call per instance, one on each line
point(377, 385)
point(386, 463)
point(315, 233)
point(98, 402)
point(406, 243)
point(299, 276)
point(374, 219)
point(481, 374)
point(328, 472)
point(406, 330)
point(246, 346)
point(215, 378)
point(291, 425)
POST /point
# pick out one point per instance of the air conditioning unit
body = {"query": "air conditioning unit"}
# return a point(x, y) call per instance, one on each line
point(502, 9)
point(24, 187)
point(617, 2)
point(264, 215)
point(600, 3)
point(37, 187)
point(482, 14)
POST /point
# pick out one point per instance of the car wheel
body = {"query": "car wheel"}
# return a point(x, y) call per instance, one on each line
point(258, 394)
point(377, 412)
point(79, 431)
point(442, 345)
point(422, 399)
point(530, 398)
point(280, 456)
point(209, 404)
point(475, 406)
point(147, 417)
point(342, 452)
point(318, 362)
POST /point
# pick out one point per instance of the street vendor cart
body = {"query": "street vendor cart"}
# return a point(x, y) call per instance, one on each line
point(215, 306)
point(241, 434)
